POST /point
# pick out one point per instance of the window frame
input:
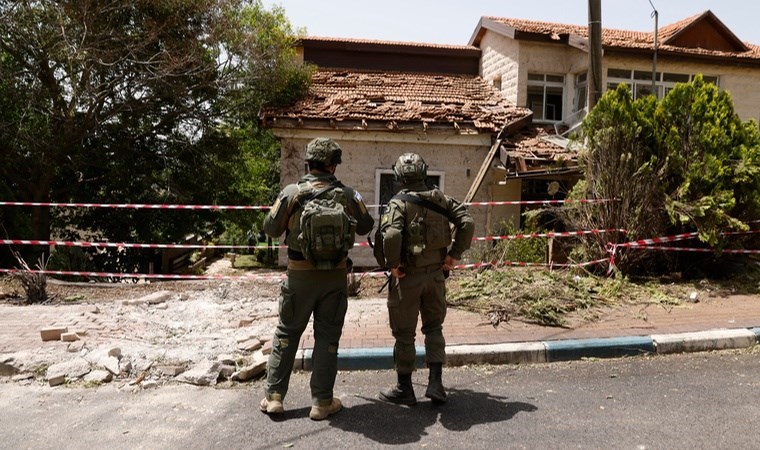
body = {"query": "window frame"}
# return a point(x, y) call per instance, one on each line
point(637, 83)
point(380, 172)
point(545, 84)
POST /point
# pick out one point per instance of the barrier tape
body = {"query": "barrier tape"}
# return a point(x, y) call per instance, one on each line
point(648, 244)
point(131, 205)
point(549, 235)
point(699, 250)
point(158, 276)
point(276, 277)
point(676, 237)
point(541, 202)
point(529, 264)
point(237, 247)
point(247, 207)
point(124, 244)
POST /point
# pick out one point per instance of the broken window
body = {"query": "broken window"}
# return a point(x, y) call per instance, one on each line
point(545, 96)
point(581, 92)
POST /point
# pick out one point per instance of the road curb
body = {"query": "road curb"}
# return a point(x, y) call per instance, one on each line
point(700, 341)
point(572, 349)
point(550, 351)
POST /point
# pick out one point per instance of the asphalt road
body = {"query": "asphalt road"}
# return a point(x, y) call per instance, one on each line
point(706, 400)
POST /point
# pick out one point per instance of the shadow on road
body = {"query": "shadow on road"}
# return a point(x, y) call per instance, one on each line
point(393, 424)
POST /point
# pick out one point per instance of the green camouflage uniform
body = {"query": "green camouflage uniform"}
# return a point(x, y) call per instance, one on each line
point(422, 291)
point(308, 291)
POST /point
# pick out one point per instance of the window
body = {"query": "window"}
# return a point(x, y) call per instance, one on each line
point(581, 91)
point(641, 81)
point(497, 83)
point(386, 186)
point(545, 94)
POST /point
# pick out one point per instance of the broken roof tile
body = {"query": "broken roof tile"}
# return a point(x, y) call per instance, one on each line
point(402, 97)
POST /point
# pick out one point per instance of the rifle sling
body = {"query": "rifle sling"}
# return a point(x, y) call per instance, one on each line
point(422, 202)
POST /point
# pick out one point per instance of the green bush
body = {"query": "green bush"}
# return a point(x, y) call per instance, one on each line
point(685, 163)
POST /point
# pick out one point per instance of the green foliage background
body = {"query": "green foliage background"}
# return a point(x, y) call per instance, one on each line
point(685, 163)
point(139, 102)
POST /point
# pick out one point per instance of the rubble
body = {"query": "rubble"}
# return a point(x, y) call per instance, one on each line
point(206, 332)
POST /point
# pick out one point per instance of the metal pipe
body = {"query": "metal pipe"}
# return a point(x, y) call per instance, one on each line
point(656, 16)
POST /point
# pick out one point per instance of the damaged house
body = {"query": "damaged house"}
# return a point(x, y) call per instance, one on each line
point(379, 100)
point(543, 66)
point(492, 118)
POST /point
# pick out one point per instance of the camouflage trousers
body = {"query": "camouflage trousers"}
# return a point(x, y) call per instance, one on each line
point(419, 293)
point(323, 293)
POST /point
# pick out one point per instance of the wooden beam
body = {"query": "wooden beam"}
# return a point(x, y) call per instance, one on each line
point(507, 129)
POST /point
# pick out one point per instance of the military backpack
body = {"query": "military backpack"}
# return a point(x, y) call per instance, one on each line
point(326, 229)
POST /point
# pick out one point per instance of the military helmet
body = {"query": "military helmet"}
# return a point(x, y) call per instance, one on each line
point(323, 150)
point(410, 168)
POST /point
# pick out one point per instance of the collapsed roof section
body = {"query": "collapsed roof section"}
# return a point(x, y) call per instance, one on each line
point(538, 151)
point(398, 101)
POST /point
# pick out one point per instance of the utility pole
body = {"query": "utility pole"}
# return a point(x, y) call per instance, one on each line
point(656, 16)
point(594, 52)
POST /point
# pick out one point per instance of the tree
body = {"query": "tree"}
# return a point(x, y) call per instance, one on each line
point(139, 101)
point(686, 163)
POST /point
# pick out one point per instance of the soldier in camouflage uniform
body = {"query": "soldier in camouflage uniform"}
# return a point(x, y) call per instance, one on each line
point(310, 290)
point(419, 251)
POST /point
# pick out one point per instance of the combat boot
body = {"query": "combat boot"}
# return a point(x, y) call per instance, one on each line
point(325, 408)
point(435, 390)
point(402, 393)
point(272, 404)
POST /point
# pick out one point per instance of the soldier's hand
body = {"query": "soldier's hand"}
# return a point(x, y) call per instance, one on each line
point(398, 272)
point(449, 263)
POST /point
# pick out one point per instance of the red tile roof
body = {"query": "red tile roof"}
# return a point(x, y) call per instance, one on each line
point(391, 43)
point(392, 97)
point(627, 39)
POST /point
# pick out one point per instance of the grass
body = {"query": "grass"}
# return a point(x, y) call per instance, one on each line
point(248, 262)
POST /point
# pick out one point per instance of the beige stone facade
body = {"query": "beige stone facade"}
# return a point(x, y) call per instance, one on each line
point(507, 59)
point(368, 155)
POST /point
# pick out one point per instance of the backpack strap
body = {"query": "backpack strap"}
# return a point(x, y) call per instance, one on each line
point(318, 192)
point(302, 200)
point(422, 202)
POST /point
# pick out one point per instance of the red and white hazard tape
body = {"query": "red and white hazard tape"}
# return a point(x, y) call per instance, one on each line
point(675, 238)
point(541, 202)
point(132, 205)
point(237, 247)
point(156, 276)
point(699, 250)
point(247, 207)
point(548, 235)
point(123, 244)
point(529, 264)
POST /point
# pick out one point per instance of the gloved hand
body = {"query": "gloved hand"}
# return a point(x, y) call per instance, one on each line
point(449, 263)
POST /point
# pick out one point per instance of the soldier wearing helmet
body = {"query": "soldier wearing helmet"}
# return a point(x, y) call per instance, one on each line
point(419, 250)
point(309, 288)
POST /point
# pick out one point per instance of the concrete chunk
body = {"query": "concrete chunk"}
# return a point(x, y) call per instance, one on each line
point(57, 380)
point(69, 337)
point(52, 333)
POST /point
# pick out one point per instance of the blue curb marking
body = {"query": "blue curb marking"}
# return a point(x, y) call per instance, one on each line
point(364, 358)
point(598, 348)
point(757, 333)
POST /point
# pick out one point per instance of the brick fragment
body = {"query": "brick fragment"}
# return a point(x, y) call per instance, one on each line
point(69, 337)
point(52, 333)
